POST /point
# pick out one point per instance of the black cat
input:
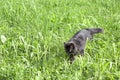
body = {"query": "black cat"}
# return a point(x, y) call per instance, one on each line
point(77, 43)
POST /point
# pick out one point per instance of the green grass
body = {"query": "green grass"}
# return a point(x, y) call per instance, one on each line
point(33, 32)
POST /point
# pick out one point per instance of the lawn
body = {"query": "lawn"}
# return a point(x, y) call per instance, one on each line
point(32, 33)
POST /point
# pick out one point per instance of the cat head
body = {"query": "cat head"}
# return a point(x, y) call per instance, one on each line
point(69, 47)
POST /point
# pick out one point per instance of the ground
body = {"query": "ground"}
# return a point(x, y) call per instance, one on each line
point(33, 32)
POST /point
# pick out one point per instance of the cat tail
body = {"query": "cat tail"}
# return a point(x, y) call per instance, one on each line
point(95, 30)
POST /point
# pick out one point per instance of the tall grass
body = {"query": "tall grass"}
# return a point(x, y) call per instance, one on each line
point(33, 32)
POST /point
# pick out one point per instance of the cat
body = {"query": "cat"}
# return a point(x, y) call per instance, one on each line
point(76, 44)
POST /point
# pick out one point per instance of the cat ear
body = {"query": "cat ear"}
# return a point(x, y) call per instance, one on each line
point(72, 46)
point(65, 43)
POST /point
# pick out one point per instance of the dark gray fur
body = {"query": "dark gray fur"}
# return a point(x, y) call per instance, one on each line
point(76, 44)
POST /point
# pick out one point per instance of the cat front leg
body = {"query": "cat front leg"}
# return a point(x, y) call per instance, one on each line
point(71, 58)
point(81, 51)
